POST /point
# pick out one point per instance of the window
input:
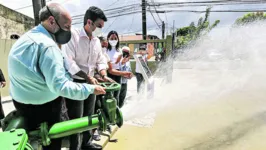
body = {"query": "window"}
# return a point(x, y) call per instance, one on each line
point(14, 36)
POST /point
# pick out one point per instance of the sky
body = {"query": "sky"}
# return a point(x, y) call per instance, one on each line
point(131, 24)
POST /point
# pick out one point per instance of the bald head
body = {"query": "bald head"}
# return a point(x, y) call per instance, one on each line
point(55, 13)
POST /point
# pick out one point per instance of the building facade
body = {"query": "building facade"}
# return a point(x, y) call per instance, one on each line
point(13, 24)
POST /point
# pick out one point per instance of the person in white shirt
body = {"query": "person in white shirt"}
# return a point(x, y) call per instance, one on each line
point(85, 55)
point(115, 56)
point(142, 51)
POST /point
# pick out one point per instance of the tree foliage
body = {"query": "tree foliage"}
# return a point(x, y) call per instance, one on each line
point(250, 17)
point(187, 35)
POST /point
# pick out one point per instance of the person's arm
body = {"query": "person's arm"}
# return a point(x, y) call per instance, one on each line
point(125, 60)
point(101, 60)
point(52, 67)
point(118, 60)
point(70, 50)
point(116, 72)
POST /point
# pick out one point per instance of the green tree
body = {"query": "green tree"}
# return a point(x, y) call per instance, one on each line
point(189, 34)
point(250, 17)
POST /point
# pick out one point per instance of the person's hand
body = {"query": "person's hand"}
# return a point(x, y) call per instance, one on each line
point(126, 74)
point(99, 90)
point(92, 80)
point(131, 75)
point(125, 60)
point(3, 84)
point(99, 78)
point(107, 79)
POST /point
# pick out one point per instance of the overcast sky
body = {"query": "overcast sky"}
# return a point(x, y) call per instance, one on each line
point(131, 23)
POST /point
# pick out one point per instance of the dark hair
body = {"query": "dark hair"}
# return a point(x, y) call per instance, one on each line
point(44, 13)
point(101, 38)
point(94, 13)
point(108, 36)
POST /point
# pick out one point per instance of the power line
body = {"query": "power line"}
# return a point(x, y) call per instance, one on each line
point(111, 24)
point(28, 6)
point(154, 19)
point(113, 3)
point(192, 11)
point(132, 8)
point(156, 10)
point(205, 2)
point(117, 9)
point(23, 7)
point(211, 4)
point(199, 11)
point(133, 17)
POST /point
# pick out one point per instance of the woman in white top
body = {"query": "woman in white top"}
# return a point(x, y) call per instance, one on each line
point(115, 55)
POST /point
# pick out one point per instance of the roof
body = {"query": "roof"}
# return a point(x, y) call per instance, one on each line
point(130, 37)
point(135, 37)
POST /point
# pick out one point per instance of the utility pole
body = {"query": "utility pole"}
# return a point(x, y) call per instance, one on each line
point(144, 21)
point(43, 3)
point(173, 26)
point(163, 30)
point(173, 36)
point(37, 6)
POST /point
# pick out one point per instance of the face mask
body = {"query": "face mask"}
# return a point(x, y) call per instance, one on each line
point(113, 42)
point(97, 32)
point(62, 36)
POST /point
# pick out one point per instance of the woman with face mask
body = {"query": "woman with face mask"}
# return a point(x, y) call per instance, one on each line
point(115, 55)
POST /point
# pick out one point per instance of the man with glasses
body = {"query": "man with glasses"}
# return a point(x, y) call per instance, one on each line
point(85, 55)
point(38, 72)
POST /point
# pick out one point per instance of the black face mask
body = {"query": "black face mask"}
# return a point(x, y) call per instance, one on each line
point(61, 36)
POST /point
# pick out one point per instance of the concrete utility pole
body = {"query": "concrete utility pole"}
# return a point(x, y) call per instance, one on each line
point(163, 29)
point(144, 21)
point(37, 6)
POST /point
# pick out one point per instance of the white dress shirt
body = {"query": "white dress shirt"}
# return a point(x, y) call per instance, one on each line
point(107, 59)
point(84, 54)
point(113, 55)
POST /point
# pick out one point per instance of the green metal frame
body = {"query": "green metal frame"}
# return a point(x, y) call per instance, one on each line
point(15, 137)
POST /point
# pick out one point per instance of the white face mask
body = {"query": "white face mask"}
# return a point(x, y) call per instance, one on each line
point(113, 42)
point(97, 32)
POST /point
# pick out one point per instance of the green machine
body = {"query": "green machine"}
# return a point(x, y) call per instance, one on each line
point(15, 137)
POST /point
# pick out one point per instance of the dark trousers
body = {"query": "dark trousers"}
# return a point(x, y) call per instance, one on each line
point(37, 114)
point(118, 80)
point(99, 99)
point(77, 109)
point(123, 94)
point(140, 80)
point(2, 114)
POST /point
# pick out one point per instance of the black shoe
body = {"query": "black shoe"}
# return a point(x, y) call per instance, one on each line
point(91, 146)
